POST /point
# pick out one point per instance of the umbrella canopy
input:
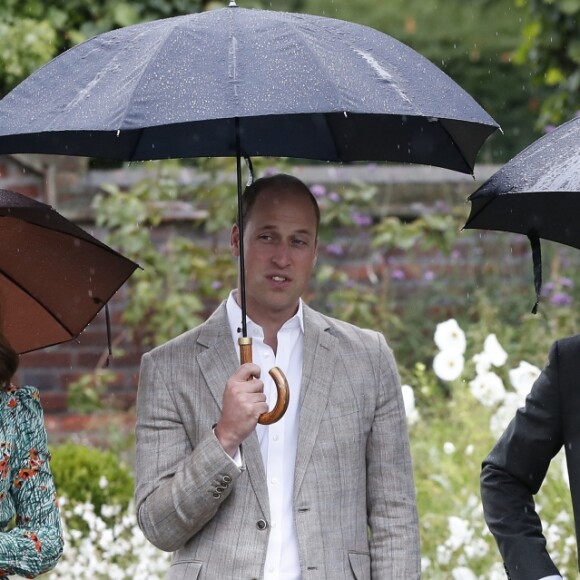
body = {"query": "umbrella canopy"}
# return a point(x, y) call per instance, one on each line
point(283, 84)
point(54, 276)
point(537, 193)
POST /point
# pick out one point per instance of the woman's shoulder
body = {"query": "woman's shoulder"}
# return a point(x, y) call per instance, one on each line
point(20, 397)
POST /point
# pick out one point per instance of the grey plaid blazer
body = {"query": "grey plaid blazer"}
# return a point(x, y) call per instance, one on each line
point(354, 505)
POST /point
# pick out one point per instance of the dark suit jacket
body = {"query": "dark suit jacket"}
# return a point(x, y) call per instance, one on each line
point(353, 465)
point(515, 469)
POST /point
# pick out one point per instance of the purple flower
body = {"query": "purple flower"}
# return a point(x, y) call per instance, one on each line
point(561, 299)
point(566, 282)
point(429, 275)
point(318, 191)
point(216, 285)
point(333, 196)
point(398, 274)
point(361, 219)
point(548, 288)
point(335, 249)
point(442, 206)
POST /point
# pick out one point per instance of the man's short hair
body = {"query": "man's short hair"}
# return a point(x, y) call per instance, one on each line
point(278, 182)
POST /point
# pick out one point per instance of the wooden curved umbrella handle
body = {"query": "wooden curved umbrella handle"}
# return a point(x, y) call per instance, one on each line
point(282, 387)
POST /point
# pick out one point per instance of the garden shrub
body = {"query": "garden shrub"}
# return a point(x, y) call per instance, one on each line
point(85, 474)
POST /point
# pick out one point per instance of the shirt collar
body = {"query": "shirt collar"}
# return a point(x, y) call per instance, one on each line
point(235, 319)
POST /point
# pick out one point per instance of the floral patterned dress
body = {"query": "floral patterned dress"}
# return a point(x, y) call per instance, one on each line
point(33, 543)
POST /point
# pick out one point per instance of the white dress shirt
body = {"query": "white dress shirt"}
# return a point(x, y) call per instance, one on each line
point(278, 441)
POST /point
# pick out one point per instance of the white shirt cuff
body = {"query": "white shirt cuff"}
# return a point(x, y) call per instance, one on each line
point(237, 458)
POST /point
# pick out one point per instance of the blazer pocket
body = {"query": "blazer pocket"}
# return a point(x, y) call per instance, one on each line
point(184, 570)
point(360, 564)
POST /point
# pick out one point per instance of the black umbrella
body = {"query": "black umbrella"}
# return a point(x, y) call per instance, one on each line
point(537, 193)
point(54, 276)
point(295, 85)
point(239, 82)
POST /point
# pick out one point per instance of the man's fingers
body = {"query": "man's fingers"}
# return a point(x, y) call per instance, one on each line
point(247, 371)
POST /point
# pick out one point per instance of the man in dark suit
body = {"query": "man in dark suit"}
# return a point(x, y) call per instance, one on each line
point(515, 469)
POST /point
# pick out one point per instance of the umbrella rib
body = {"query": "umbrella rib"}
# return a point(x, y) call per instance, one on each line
point(457, 148)
point(39, 302)
point(481, 209)
point(89, 240)
point(143, 73)
point(344, 39)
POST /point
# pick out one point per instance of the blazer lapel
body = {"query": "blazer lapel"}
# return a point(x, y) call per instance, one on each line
point(217, 363)
point(319, 359)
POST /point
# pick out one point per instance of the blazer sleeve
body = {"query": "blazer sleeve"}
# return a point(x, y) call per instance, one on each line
point(392, 506)
point(514, 471)
point(35, 543)
point(179, 484)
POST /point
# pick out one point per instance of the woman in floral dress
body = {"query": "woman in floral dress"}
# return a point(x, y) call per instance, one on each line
point(31, 539)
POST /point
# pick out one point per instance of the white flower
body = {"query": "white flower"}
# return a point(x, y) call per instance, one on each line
point(460, 533)
point(522, 378)
point(462, 573)
point(482, 363)
point(448, 447)
point(103, 482)
point(493, 349)
point(469, 449)
point(488, 389)
point(409, 401)
point(501, 418)
point(448, 365)
point(448, 336)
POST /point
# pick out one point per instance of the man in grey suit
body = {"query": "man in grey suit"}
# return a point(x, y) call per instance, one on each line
point(327, 492)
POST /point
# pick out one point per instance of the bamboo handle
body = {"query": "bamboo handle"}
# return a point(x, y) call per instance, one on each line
point(282, 387)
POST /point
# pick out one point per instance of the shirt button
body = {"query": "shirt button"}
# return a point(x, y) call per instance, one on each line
point(261, 524)
point(276, 437)
point(274, 480)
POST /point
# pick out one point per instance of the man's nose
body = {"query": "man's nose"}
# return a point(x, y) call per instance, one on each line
point(281, 255)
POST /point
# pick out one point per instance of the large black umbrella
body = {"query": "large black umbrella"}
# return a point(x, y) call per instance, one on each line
point(537, 194)
point(285, 84)
point(54, 276)
point(239, 82)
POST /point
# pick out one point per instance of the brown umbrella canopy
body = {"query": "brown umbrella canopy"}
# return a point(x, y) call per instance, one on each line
point(54, 276)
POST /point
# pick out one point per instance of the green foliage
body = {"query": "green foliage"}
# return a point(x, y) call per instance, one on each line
point(86, 474)
point(88, 393)
point(34, 31)
point(24, 46)
point(183, 275)
point(551, 48)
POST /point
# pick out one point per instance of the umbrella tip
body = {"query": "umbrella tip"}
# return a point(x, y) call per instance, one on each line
point(232, 4)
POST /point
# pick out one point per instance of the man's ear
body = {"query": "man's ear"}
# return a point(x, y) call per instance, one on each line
point(235, 241)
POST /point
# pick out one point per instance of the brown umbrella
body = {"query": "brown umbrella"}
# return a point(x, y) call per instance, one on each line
point(54, 276)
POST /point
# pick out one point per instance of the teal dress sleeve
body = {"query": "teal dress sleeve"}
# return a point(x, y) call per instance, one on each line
point(32, 542)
